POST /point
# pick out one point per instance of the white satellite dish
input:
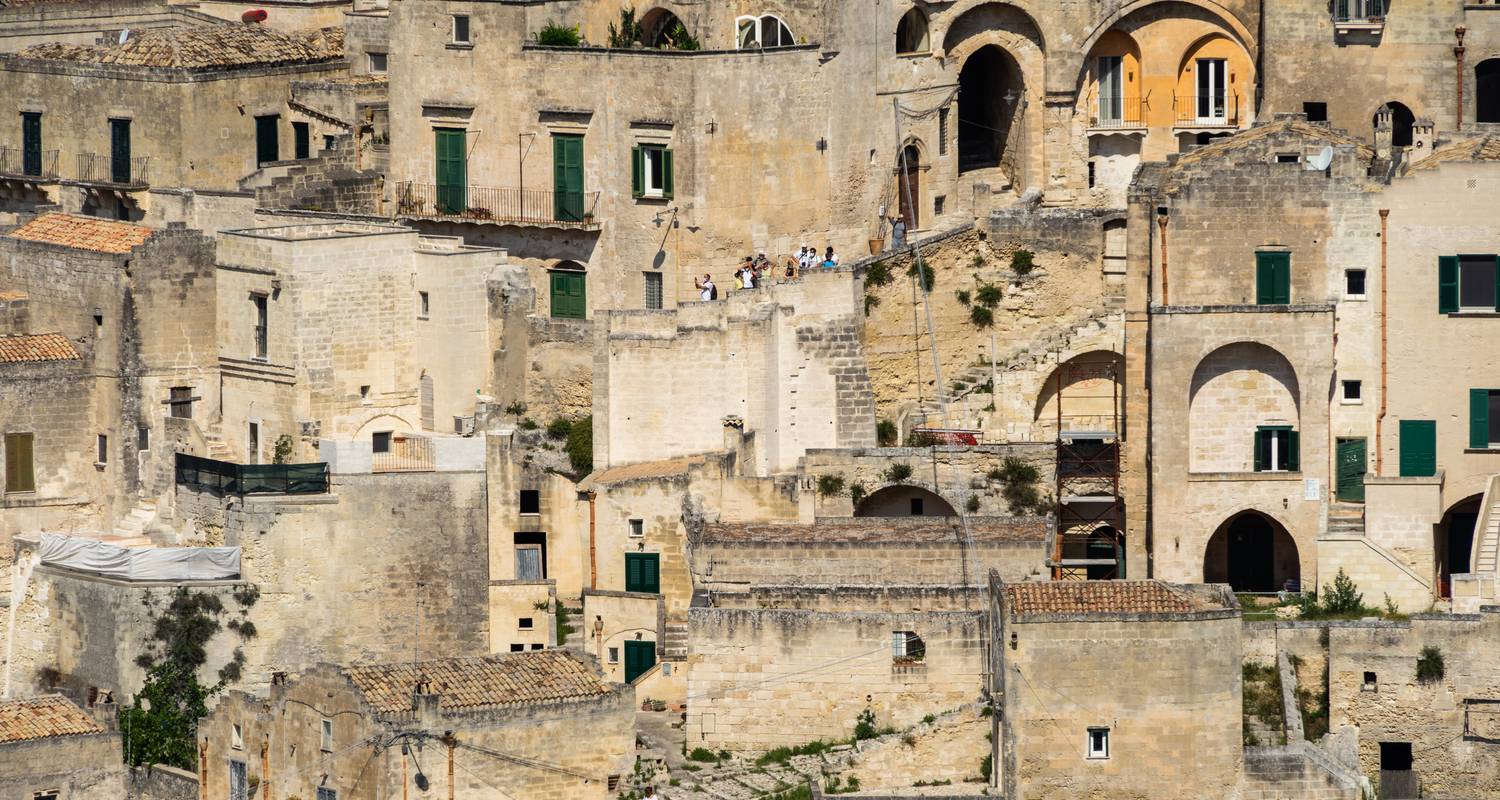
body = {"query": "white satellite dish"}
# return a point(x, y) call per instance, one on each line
point(124, 34)
point(1321, 161)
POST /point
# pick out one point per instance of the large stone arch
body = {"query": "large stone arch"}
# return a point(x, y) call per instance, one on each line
point(965, 19)
point(1252, 551)
point(1092, 390)
point(1235, 389)
point(1223, 15)
point(896, 499)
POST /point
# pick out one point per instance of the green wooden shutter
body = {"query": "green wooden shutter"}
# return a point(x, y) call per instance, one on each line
point(567, 177)
point(1418, 443)
point(632, 572)
point(31, 143)
point(1497, 283)
point(642, 573)
point(119, 150)
point(1273, 278)
point(451, 148)
point(666, 184)
point(1479, 418)
point(1293, 451)
point(1447, 284)
point(1260, 459)
point(637, 172)
point(20, 473)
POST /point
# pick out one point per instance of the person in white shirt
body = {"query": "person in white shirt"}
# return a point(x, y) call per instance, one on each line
point(706, 288)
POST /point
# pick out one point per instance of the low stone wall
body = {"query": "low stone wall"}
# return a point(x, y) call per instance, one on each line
point(161, 782)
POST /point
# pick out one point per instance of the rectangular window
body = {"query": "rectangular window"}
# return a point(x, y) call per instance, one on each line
point(907, 646)
point(637, 527)
point(917, 507)
point(653, 290)
point(301, 140)
point(143, 438)
point(377, 62)
point(1476, 283)
point(1098, 742)
point(1111, 90)
point(1316, 112)
point(424, 305)
point(536, 647)
point(267, 139)
point(1352, 392)
point(614, 655)
point(380, 442)
point(261, 317)
point(1212, 106)
point(325, 793)
point(1288, 158)
point(20, 473)
point(942, 131)
point(1354, 283)
point(239, 787)
point(651, 171)
point(31, 143)
point(1417, 439)
point(1276, 449)
point(531, 501)
point(461, 29)
point(938, 203)
point(119, 150)
point(181, 401)
point(1371, 683)
point(327, 738)
point(101, 449)
point(50, 794)
point(237, 737)
point(517, 648)
point(643, 573)
point(1484, 419)
point(1273, 278)
point(524, 623)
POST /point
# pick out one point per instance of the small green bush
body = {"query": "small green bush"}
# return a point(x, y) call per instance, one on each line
point(680, 39)
point(929, 275)
point(988, 295)
point(559, 428)
point(857, 492)
point(896, 473)
point(864, 725)
point(1342, 597)
point(703, 754)
point(580, 446)
point(555, 35)
point(987, 767)
point(871, 301)
point(1022, 262)
point(886, 433)
point(878, 274)
point(981, 317)
point(629, 32)
point(1018, 470)
point(1430, 665)
point(830, 485)
point(973, 504)
point(963, 296)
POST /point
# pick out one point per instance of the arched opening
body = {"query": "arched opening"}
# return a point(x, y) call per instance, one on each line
point(763, 31)
point(1113, 74)
point(569, 291)
point(1253, 553)
point(911, 33)
point(1401, 123)
point(1083, 394)
point(990, 89)
point(1243, 411)
point(1115, 247)
point(661, 29)
point(902, 500)
point(1487, 90)
point(1210, 82)
point(1455, 543)
point(909, 186)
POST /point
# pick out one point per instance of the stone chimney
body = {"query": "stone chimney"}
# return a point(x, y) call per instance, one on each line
point(278, 687)
point(106, 712)
point(426, 703)
point(1423, 138)
point(1383, 133)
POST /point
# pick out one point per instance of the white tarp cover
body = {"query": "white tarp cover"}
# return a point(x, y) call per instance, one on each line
point(141, 563)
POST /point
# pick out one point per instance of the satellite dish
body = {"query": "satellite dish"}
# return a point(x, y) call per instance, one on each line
point(124, 34)
point(1321, 161)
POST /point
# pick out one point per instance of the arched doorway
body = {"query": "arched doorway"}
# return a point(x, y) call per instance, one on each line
point(911, 33)
point(1083, 393)
point(1401, 123)
point(909, 186)
point(902, 500)
point(1252, 553)
point(661, 29)
point(990, 90)
point(1454, 547)
point(1487, 90)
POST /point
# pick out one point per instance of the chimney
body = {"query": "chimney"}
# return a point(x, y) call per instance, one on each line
point(426, 704)
point(1423, 138)
point(1383, 133)
point(106, 712)
point(278, 688)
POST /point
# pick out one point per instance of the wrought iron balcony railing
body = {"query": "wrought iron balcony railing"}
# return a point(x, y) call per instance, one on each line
point(497, 206)
point(1112, 111)
point(1218, 110)
point(38, 165)
point(108, 170)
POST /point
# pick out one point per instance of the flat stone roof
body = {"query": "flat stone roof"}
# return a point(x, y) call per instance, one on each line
point(882, 530)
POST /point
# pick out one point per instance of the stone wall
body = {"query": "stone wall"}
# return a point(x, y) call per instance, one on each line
point(72, 766)
point(954, 473)
point(161, 782)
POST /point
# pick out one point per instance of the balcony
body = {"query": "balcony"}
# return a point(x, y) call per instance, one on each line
point(123, 173)
point(1207, 111)
point(1110, 114)
point(37, 166)
point(225, 478)
point(486, 205)
point(403, 452)
point(1359, 16)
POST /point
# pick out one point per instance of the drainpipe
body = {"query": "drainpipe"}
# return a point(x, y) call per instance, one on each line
point(593, 563)
point(451, 743)
point(202, 769)
point(1161, 222)
point(1458, 55)
point(1380, 418)
point(265, 768)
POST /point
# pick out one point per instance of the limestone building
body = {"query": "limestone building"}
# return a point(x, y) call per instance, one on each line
point(50, 747)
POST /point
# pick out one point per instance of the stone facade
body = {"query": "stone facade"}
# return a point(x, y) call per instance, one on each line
point(79, 758)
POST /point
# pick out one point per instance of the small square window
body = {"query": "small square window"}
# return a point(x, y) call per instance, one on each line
point(1371, 684)
point(524, 623)
point(377, 62)
point(1354, 283)
point(1098, 742)
point(327, 739)
point(1351, 392)
point(380, 442)
point(531, 501)
point(518, 648)
point(1316, 112)
point(364, 393)
point(424, 305)
point(237, 737)
point(536, 646)
point(637, 527)
point(101, 449)
point(461, 29)
point(614, 655)
point(916, 506)
point(1288, 158)
point(939, 203)
point(143, 438)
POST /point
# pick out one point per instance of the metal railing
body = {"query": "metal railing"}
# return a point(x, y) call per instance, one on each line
point(1359, 10)
point(41, 165)
point(406, 453)
point(96, 168)
point(1118, 112)
point(223, 477)
point(502, 206)
point(1209, 110)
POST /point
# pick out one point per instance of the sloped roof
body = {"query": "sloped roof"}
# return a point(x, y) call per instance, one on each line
point(881, 530)
point(204, 48)
point(1244, 139)
point(43, 717)
point(83, 233)
point(1103, 597)
point(1479, 148)
point(38, 347)
point(542, 676)
point(648, 469)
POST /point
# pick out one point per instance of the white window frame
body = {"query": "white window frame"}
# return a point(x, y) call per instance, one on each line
point(1350, 295)
point(637, 528)
point(1100, 753)
point(468, 34)
point(1208, 84)
point(237, 737)
point(653, 154)
point(1276, 460)
point(1359, 391)
point(758, 24)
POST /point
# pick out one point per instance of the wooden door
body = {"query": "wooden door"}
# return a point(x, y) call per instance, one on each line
point(909, 187)
point(119, 150)
point(1350, 470)
point(267, 140)
point(639, 658)
point(567, 178)
point(1417, 439)
point(31, 143)
point(452, 170)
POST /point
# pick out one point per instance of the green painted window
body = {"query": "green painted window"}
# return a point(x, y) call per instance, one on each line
point(1484, 418)
point(1418, 442)
point(643, 572)
point(1468, 283)
point(567, 177)
point(119, 150)
point(267, 139)
point(1273, 278)
point(452, 170)
point(20, 472)
point(569, 294)
point(640, 657)
point(1276, 449)
point(1350, 469)
point(651, 171)
point(31, 143)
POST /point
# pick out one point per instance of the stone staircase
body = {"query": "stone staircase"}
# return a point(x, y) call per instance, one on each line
point(1487, 530)
point(218, 449)
point(1295, 772)
point(1346, 519)
point(130, 530)
point(675, 640)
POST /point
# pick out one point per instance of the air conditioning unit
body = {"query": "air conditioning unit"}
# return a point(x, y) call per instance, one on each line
point(463, 426)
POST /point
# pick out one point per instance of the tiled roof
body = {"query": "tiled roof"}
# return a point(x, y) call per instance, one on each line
point(206, 47)
point(649, 469)
point(43, 717)
point(38, 347)
point(83, 233)
point(1246, 138)
point(881, 530)
point(1479, 148)
point(1103, 597)
point(543, 676)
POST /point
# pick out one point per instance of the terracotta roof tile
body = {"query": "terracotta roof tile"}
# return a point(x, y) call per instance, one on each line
point(38, 347)
point(542, 676)
point(204, 48)
point(1479, 148)
point(881, 530)
point(1103, 597)
point(43, 717)
point(83, 233)
point(648, 469)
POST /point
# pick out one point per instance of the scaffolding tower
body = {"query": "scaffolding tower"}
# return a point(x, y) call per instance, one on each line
point(1090, 540)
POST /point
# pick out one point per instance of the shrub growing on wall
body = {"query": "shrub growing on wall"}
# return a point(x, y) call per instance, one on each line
point(580, 446)
point(555, 35)
point(1430, 665)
